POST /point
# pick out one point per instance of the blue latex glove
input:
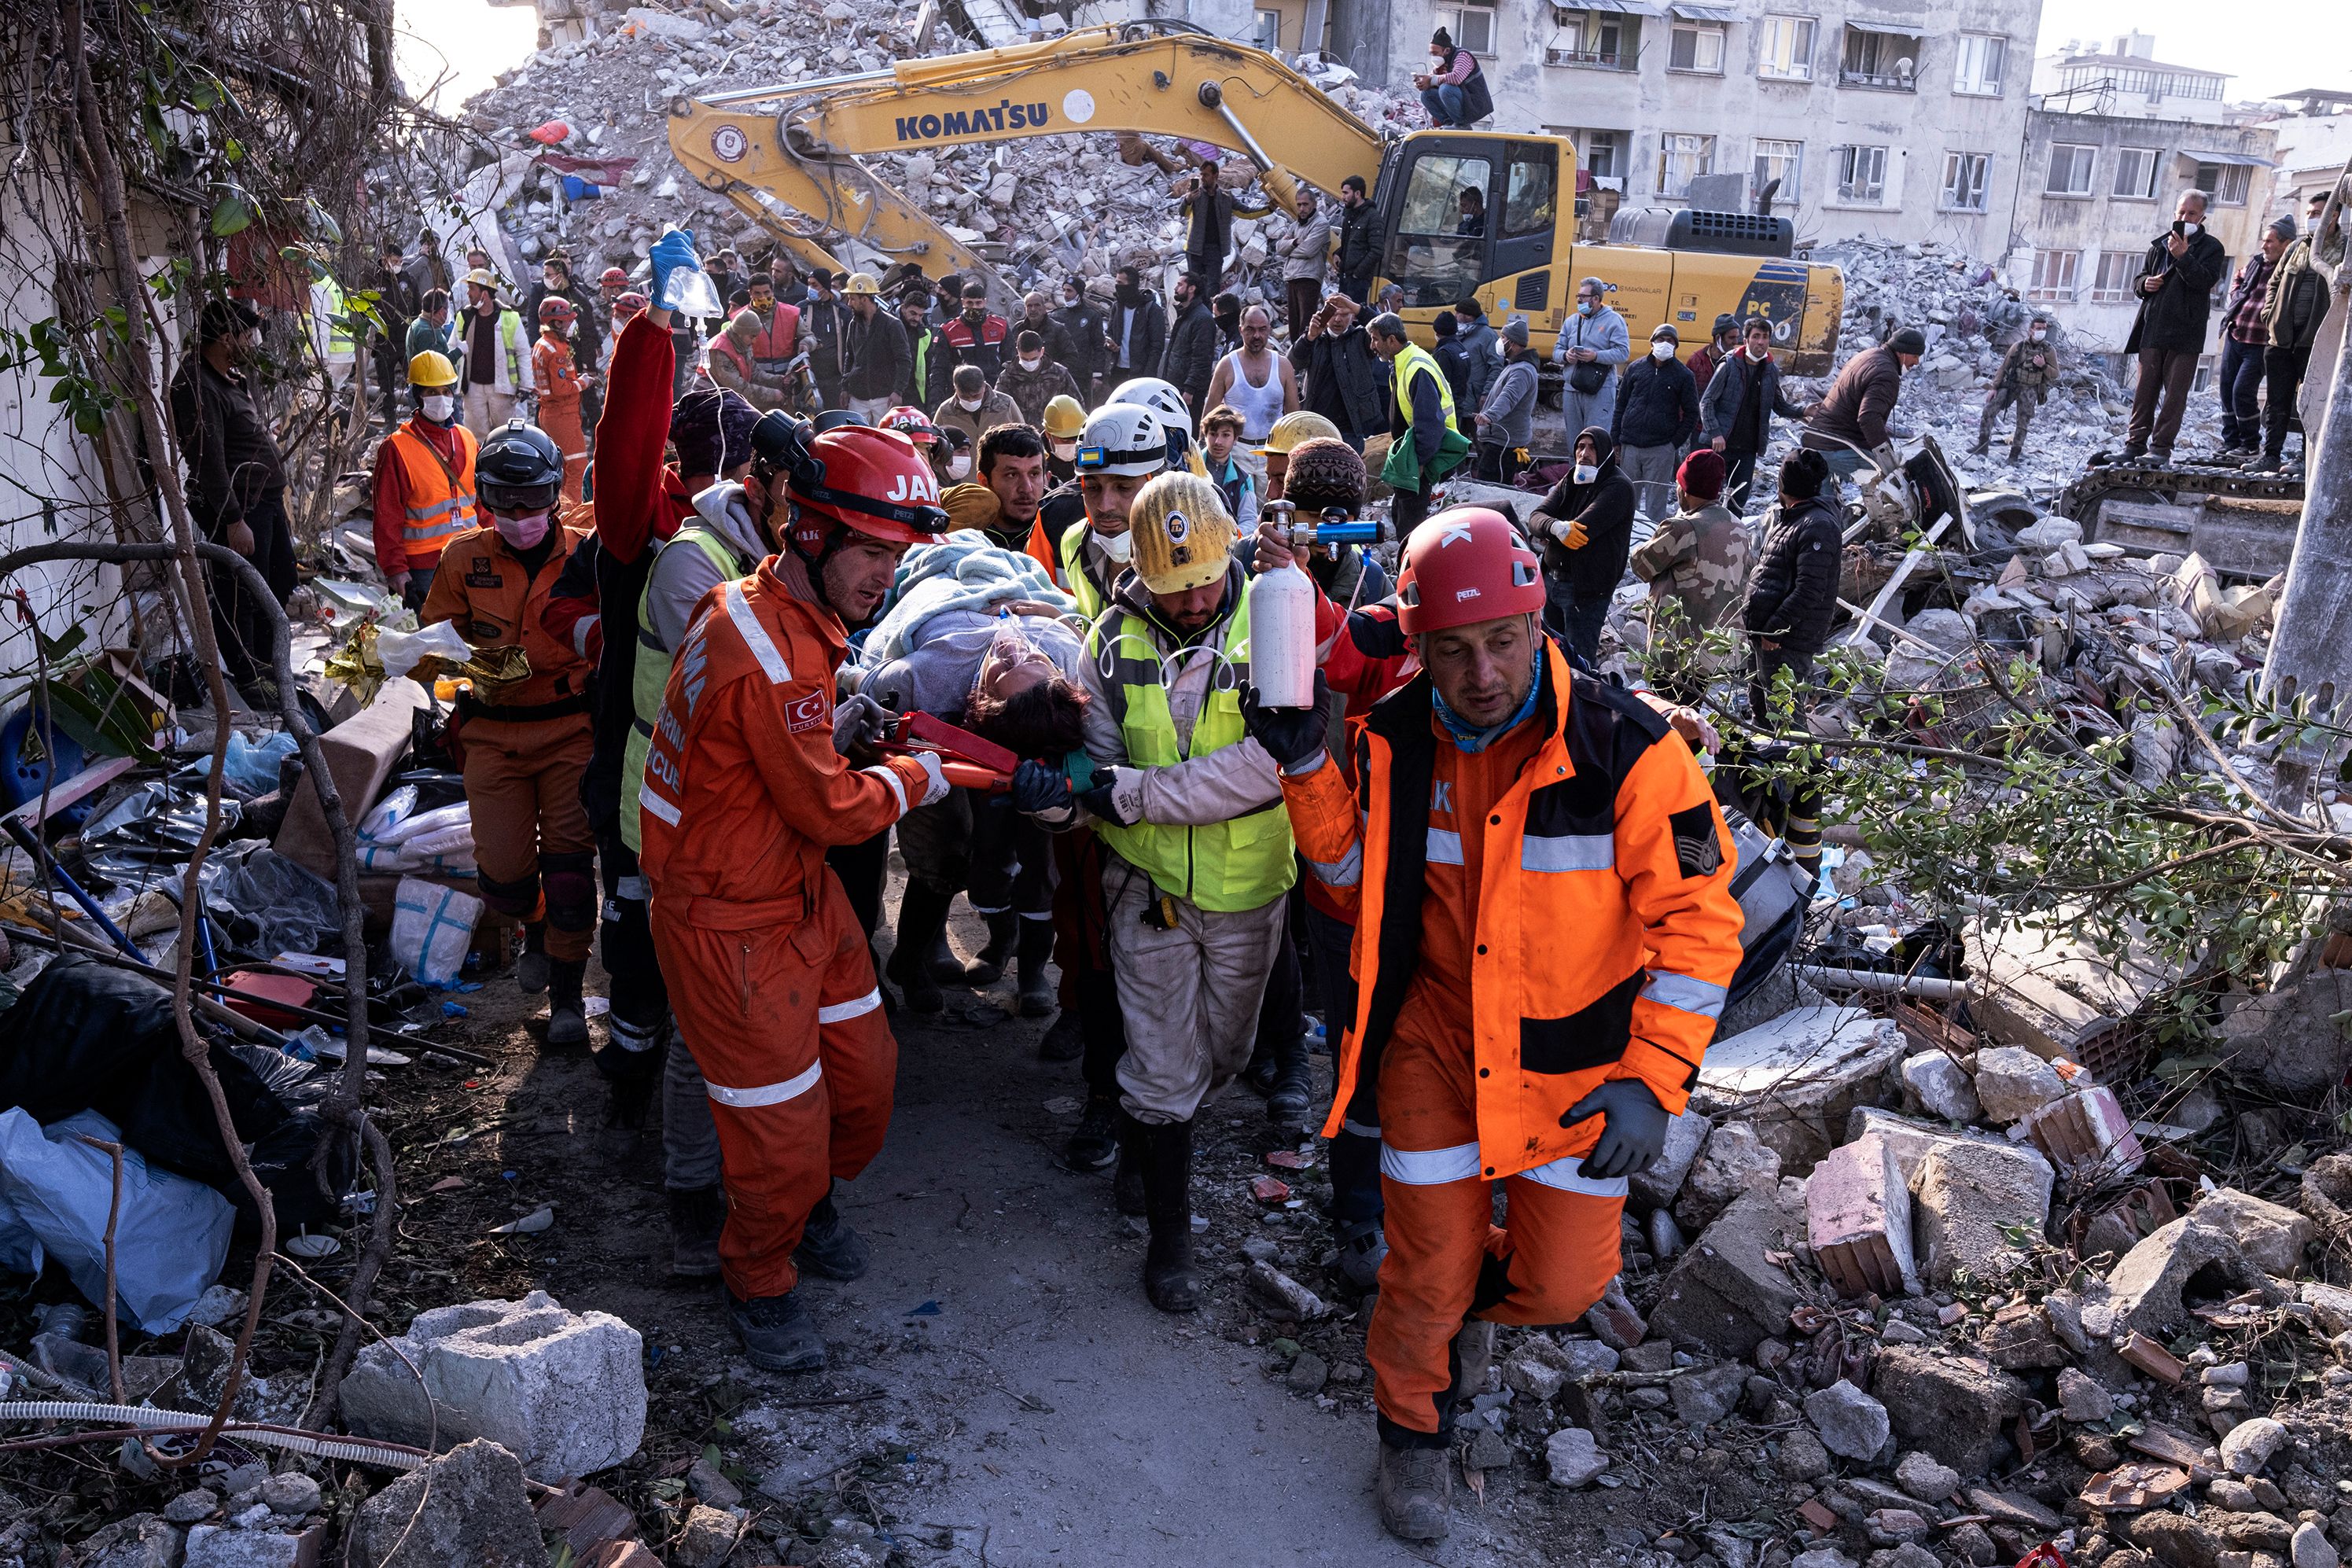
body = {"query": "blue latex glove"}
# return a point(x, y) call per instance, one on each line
point(1039, 788)
point(670, 252)
point(1633, 1135)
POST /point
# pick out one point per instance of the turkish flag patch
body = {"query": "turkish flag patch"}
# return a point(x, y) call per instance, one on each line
point(1696, 848)
point(809, 712)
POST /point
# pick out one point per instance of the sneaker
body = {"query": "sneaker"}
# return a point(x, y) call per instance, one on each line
point(1363, 1245)
point(697, 1215)
point(829, 1248)
point(1416, 1487)
point(778, 1333)
point(1095, 1144)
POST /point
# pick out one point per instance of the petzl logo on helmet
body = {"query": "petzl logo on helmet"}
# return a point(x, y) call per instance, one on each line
point(1465, 594)
point(1177, 527)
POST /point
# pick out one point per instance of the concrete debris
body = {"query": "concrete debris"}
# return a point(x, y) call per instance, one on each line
point(1803, 1456)
point(1574, 1458)
point(2085, 1129)
point(2272, 1236)
point(1729, 1291)
point(1655, 1187)
point(2331, 1305)
point(1284, 1296)
point(707, 1537)
point(1958, 1410)
point(1734, 1161)
point(2020, 1339)
point(2082, 1400)
point(1706, 1395)
point(468, 1505)
point(2055, 996)
point(563, 1391)
point(1797, 1078)
point(2144, 1290)
point(1980, 1204)
point(1851, 1424)
point(2288, 1037)
point(1940, 1087)
point(1925, 1477)
point(2310, 1548)
point(139, 1541)
point(2251, 1445)
point(219, 1546)
point(2012, 1082)
point(1858, 1220)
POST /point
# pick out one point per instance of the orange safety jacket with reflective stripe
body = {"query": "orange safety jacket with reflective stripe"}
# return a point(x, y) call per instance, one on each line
point(440, 502)
point(1605, 928)
point(744, 792)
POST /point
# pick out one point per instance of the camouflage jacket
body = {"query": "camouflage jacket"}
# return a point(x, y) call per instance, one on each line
point(1702, 558)
point(2029, 364)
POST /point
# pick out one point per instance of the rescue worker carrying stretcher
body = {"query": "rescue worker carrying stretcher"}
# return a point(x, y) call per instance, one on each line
point(525, 742)
point(1545, 933)
point(744, 788)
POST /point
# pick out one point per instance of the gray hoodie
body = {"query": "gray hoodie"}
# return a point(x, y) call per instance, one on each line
point(682, 574)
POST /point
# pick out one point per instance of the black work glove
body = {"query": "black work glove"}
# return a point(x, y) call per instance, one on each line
point(629, 1080)
point(1293, 737)
point(1039, 789)
point(1633, 1133)
point(1375, 632)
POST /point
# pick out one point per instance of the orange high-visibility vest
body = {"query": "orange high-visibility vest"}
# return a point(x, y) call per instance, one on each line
point(440, 499)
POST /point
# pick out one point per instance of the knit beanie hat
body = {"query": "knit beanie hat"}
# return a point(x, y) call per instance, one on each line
point(1802, 476)
point(711, 429)
point(1324, 473)
point(1701, 475)
point(1908, 341)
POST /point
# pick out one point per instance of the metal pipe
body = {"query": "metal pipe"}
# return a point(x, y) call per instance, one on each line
point(1835, 978)
point(1212, 97)
point(791, 88)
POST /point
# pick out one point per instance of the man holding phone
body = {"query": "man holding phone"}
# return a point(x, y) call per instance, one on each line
point(2175, 287)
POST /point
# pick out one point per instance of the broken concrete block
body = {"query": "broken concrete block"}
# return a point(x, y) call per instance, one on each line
point(2144, 1290)
point(1734, 1161)
point(708, 1536)
point(2082, 1400)
point(1858, 1220)
point(1910, 1140)
point(1537, 1378)
point(2020, 1339)
point(361, 752)
point(2310, 1548)
point(140, 1540)
point(2012, 1082)
point(1927, 1478)
point(2250, 1445)
point(1972, 1196)
point(1705, 1395)
point(1797, 1079)
point(1280, 1293)
point(2272, 1236)
point(563, 1391)
point(1851, 1424)
point(1940, 1087)
point(218, 1546)
point(1574, 1459)
point(2054, 996)
point(1725, 1293)
point(2086, 1129)
point(1958, 1409)
point(1655, 1186)
point(2330, 1304)
point(468, 1505)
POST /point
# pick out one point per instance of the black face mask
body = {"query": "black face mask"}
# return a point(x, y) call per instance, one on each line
point(1131, 293)
point(975, 313)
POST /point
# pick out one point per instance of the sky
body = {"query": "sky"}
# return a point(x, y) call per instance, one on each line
point(2302, 43)
point(471, 39)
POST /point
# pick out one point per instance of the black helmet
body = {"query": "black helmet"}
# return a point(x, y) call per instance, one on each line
point(780, 442)
point(518, 469)
point(834, 418)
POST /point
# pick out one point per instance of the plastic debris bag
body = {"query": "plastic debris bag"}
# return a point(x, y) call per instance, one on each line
point(268, 904)
point(431, 928)
point(398, 652)
point(171, 1238)
point(153, 827)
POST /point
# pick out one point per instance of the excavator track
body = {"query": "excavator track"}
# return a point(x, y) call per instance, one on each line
point(2244, 523)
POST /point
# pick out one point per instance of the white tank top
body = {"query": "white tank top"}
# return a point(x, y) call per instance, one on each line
point(1259, 406)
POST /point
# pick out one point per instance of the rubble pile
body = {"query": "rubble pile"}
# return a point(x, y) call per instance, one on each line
point(1040, 210)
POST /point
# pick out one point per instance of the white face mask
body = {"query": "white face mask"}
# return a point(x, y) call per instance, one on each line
point(1030, 365)
point(1758, 355)
point(1064, 451)
point(1587, 472)
point(960, 467)
point(2039, 334)
point(439, 408)
point(1069, 302)
point(2190, 230)
point(969, 404)
point(1662, 352)
point(1118, 546)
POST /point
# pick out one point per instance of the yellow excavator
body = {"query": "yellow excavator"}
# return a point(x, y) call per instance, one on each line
point(789, 157)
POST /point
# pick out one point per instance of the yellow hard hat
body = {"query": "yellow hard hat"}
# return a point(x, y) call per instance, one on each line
point(485, 277)
point(1183, 535)
point(1292, 428)
point(861, 283)
point(1064, 418)
point(431, 369)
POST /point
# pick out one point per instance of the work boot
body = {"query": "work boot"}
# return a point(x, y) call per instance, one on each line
point(1363, 1245)
point(1168, 1278)
point(1095, 1142)
point(2134, 451)
point(1126, 1182)
point(1416, 1485)
point(697, 1215)
point(2270, 462)
point(531, 968)
point(567, 1013)
point(2016, 456)
point(1037, 991)
point(777, 1332)
point(987, 966)
point(1259, 1076)
point(922, 923)
point(1290, 1099)
point(829, 1248)
point(1065, 1041)
point(938, 957)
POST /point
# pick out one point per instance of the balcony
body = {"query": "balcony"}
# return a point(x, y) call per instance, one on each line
point(1879, 61)
point(1591, 60)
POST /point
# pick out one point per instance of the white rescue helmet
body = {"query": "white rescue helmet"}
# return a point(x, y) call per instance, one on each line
point(1161, 398)
point(1123, 438)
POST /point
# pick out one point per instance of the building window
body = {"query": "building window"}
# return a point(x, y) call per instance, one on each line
point(1602, 154)
point(1597, 40)
point(1978, 70)
point(1886, 61)
point(1964, 181)
point(1268, 35)
point(1782, 161)
point(2112, 283)
point(1471, 27)
point(2135, 170)
point(1696, 47)
point(2071, 163)
point(2054, 275)
point(1682, 158)
point(1862, 176)
point(2225, 182)
point(1785, 48)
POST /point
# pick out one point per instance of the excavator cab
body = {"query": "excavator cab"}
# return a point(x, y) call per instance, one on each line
point(1464, 214)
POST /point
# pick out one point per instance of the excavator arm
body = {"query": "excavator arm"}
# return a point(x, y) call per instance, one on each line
point(792, 162)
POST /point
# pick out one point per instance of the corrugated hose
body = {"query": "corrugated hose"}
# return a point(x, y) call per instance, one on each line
point(355, 1450)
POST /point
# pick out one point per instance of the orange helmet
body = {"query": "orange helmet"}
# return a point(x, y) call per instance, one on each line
point(1467, 564)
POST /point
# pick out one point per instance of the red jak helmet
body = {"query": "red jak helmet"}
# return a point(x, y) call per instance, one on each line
point(1466, 565)
point(912, 423)
point(631, 305)
point(867, 480)
point(555, 307)
point(614, 277)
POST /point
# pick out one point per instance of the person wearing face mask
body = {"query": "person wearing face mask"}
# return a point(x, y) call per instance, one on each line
point(1587, 527)
point(1735, 413)
point(1037, 316)
point(1505, 422)
point(2027, 372)
point(824, 325)
point(1084, 326)
point(1592, 343)
point(1545, 932)
point(423, 484)
point(1656, 419)
point(1138, 327)
point(526, 742)
point(236, 485)
point(749, 779)
point(1034, 379)
point(498, 370)
point(974, 407)
point(1452, 89)
point(977, 336)
point(1063, 421)
point(952, 457)
point(1192, 357)
point(2175, 289)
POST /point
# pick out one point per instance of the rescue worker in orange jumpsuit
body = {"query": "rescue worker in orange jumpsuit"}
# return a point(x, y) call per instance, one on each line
point(1546, 930)
point(745, 788)
point(424, 486)
point(559, 386)
point(527, 743)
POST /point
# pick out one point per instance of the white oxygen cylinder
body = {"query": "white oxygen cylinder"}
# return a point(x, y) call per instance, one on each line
point(1282, 638)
